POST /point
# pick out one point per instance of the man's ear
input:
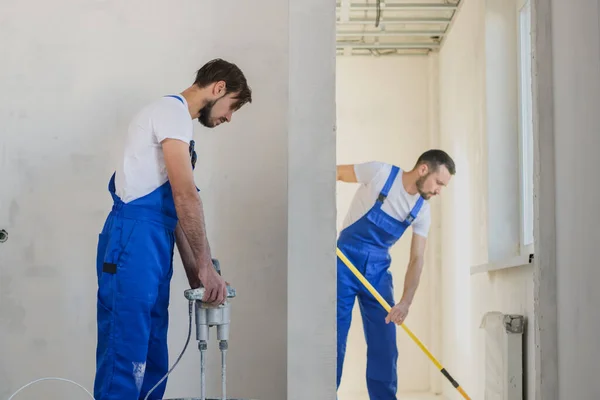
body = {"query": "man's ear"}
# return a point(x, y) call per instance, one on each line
point(219, 88)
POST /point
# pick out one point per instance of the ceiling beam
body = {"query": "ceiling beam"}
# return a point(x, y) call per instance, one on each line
point(397, 21)
point(344, 10)
point(388, 33)
point(392, 53)
point(400, 6)
point(382, 46)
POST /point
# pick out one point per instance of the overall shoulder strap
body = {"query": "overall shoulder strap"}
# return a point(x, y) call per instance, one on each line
point(415, 211)
point(388, 184)
point(193, 155)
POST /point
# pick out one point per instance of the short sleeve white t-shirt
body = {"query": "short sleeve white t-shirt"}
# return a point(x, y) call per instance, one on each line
point(142, 168)
point(398, 204)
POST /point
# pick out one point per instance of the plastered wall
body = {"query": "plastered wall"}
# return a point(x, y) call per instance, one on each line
point(72, 75)
point(311, 284)
point(385, 113)
point(576, 85)
point(466, 207)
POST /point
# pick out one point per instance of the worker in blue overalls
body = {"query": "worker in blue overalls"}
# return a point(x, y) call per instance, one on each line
point(386, 203)
point(156, 205)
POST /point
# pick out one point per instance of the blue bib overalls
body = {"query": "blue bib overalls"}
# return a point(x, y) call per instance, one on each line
point(366, 244)
point(134, 268)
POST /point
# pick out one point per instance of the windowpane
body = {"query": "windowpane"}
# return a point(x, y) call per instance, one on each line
point(526, 124)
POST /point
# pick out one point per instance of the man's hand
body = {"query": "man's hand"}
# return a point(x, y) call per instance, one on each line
point(398, 313)
point(215, 287)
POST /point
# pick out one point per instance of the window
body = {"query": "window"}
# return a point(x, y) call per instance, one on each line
point(526, 127)
point(509, 134)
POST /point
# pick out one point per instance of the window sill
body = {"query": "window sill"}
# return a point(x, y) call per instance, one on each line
point(514, 262)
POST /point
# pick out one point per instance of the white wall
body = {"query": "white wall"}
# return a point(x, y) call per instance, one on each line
point(576, 85)
point(384, 114)
point(72, 75)
point(465, 207)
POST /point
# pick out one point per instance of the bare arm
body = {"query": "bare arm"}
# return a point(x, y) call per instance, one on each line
point(411, 280)
point(415, 267)
point(187, 201)
point(191, 219)
point(345, 173)
point(187, 258)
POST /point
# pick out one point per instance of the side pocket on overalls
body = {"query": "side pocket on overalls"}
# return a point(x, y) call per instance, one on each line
point(105, 304)
point(105, 269)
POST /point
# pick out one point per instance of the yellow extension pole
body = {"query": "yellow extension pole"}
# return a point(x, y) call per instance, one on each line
point(387, 307)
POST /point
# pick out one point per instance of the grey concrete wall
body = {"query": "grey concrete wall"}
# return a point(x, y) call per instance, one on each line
point(545, 315)
point(311, 214)
point(576, 81)
point(72, 74)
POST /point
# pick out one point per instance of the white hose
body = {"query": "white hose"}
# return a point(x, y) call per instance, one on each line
point(51, 379)
point(91, 396)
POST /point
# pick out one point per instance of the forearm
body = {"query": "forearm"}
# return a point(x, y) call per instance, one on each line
point(191, 220)
point(412, 279)
point(346, 173)
point(187, 258)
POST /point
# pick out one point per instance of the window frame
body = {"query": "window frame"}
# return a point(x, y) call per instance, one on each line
point(524, 251)
point(526, 151)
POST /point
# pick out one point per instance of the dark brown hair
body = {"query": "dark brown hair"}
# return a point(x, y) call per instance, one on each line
point(235, 82)
point(434, 158)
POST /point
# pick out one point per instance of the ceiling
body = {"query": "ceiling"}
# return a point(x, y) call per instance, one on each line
point(393, 27)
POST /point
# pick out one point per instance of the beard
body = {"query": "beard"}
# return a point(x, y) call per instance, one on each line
point(205, 115)
point(422, 193)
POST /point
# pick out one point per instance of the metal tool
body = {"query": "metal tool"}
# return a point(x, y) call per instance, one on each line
point(208, 316)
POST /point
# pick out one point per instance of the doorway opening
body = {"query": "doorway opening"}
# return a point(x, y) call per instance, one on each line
point(456, 76)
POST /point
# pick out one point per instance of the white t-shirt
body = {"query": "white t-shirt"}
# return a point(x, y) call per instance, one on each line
point(142, 168)
point(398, 204)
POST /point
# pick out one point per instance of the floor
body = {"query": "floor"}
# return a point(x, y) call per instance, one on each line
point(401, 396)
point(418, 396)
